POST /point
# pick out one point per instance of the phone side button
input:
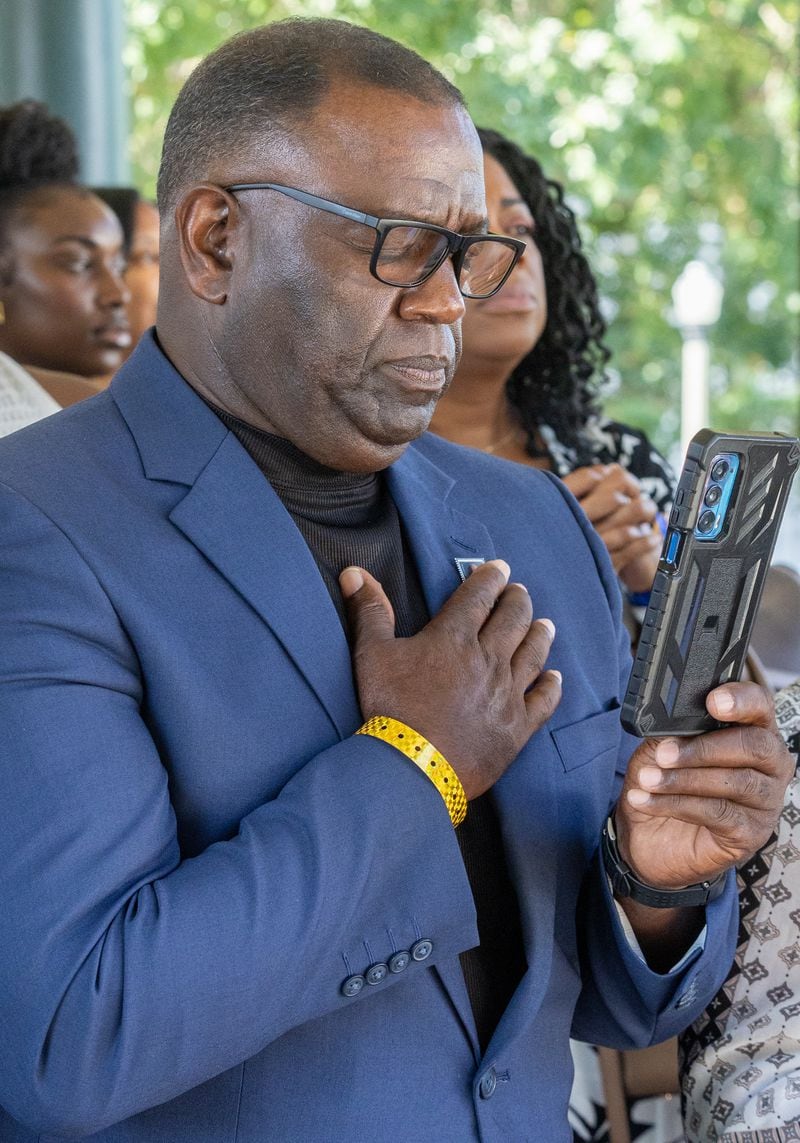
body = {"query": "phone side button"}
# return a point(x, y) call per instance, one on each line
point(672, 548)
point(679, 516)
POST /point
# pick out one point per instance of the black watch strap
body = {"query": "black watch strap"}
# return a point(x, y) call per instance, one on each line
point(624, 884)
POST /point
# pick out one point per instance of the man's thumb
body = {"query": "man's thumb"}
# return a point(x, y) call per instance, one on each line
point(369, 612)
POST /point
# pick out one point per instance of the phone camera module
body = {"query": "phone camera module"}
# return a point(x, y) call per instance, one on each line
point(706, 522)
point(713, 494)
point(720, 469)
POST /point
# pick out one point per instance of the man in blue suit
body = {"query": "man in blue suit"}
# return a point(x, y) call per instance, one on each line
point(240, 898)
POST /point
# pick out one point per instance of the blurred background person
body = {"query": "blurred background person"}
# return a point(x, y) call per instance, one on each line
point(527, 389)
point(23, 399)
point(139, 220)
point(740, 1065)
point(63, 322)
point(527, 386)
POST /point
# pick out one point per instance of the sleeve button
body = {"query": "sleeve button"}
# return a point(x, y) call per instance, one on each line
point(421, 950)
point(376, 973)
point(400, 961)
point(353, 985)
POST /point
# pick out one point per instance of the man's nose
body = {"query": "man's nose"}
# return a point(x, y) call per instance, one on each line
point(437, 300)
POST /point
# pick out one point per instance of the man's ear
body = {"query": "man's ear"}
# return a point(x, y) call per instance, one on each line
point(206, 219)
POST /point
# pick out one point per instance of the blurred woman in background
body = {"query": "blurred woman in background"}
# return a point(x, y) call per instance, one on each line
point(526, 389)
point(63, 321)
point(139, 219)
point(532, 364)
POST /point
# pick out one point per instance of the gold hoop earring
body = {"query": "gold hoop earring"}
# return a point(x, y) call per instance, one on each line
point(2, 314)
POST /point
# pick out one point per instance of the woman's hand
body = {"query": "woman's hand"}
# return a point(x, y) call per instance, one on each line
point(624, 517)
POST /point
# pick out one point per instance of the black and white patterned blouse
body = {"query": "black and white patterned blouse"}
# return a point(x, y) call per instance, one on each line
point(741, 1058)
point(612, 442)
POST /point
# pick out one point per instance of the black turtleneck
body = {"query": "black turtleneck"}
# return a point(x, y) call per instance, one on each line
point(350, 518)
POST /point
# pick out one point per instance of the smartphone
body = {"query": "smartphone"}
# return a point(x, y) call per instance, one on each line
point(717, 549)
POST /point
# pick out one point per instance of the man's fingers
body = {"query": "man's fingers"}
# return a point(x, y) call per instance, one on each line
point(509, 622)
point(694, 806)
point(543, 698)
point(742, 702)
point(741, 769)
point(528, 661)
point(746, 786)
point(759, 747)
point(369, 613)
point(736, 829)
point(471, 604)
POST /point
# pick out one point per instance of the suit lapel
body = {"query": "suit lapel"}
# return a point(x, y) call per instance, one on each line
point(438, 536)
point(231, 513)
point(236, 519)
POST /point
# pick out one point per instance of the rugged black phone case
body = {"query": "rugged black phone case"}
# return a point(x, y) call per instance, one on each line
point(703, 604)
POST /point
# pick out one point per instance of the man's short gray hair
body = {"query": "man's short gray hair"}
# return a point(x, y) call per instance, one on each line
point(272, 78)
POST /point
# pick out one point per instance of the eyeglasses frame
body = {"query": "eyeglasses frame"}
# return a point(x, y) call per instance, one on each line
point(457, 244)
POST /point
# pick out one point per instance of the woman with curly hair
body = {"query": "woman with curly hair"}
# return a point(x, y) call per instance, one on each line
point(533, 360)
point(62, 298)
point(526, 389)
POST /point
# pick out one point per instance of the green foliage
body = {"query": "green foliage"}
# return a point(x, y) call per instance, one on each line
point(672, 125)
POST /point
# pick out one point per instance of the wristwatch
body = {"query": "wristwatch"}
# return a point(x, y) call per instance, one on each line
point(625, 884)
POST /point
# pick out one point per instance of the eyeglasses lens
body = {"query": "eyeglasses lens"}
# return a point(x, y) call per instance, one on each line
point(485, 266)
point(409, 254)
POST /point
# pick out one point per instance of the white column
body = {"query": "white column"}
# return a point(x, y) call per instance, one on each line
point(695, 359)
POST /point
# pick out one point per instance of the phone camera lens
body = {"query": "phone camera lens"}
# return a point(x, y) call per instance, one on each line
point(719, 469)
point(712, 495)
point(706, 522)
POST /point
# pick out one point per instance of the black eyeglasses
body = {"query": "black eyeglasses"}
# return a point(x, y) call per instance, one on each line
point(407, 252)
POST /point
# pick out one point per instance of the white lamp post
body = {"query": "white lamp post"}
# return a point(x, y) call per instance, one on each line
point(697, 303)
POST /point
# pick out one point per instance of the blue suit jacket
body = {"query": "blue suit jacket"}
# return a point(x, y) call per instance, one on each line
point(195, 851)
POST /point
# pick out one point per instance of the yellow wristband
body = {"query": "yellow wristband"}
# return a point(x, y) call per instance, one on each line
point(425, 755)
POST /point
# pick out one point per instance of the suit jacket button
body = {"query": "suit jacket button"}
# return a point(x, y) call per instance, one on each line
point(353, 985)
point(376, 973)
point(421, 950)
point(488, 1084)
point(400, 961)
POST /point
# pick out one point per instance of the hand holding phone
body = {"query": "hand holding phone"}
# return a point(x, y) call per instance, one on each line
point(728, 509)
point(690, 809)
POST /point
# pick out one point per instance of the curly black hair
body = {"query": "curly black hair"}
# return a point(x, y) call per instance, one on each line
point(557, 383)
point(37, 149)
